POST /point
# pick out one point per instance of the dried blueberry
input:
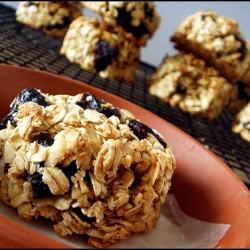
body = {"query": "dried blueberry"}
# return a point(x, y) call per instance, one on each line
point(31, 95)
point(104, 53)
point(92, 102)
point(30, 3)
point(243, 48)
point(242, 92)
point(69, 171)
point(246, 125)
point(44, 140)
point(85, 218)
point(27, 95)
point(40, 189)
point(65, 22)
point(141, 130)
point(124, 19)
point(87, 177)
point(205, 15)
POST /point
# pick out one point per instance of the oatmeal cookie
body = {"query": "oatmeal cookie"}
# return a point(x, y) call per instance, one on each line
point(139, 19)
point(238, 98)
point(53, 18)
point(92, 168)
point(98, 47)
point(241, 123)
point(186, 81)
point(217, 40)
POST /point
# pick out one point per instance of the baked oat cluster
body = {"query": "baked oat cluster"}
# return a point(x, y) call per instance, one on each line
point(211, 70)
point(90, 167)
point(52, 17)
point(189, 83)
point(217, 40)
point(110, 44)
point(239, 97)
point(241, 123)
point(101, 48)
point(139, 20)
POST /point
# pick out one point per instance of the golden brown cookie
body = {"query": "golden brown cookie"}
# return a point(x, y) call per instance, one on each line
point(186, 81)
point(103, 49)
point(241, 123)
point(90, 167)
point(51, 17)
point(217, 40)
point(139, 19)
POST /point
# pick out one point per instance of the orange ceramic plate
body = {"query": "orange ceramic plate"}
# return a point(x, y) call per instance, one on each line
point(204, 186)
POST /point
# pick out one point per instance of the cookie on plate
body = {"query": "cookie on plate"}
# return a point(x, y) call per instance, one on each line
point(53, 18)
point(186, 81)
point(217, 40)
point(90, 167)
point(101, 48)
point(139, 19)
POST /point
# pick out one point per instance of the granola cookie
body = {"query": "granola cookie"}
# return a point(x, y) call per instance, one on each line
point(90, 167)
point(217, 40)
point(238, 98)
point(53, 18)
point(98, 47)
point(186, 81)
point(241, 123)
point(139, 19)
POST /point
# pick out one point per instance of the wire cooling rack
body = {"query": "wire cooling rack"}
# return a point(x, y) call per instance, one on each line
point(20, 45)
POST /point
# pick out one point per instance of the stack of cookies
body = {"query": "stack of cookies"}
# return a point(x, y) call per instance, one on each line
point(138, 19)
point(110, 45)
point(187, 81)
point(210, 71)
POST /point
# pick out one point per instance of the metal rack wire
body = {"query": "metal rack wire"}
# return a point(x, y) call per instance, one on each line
point(20, 45)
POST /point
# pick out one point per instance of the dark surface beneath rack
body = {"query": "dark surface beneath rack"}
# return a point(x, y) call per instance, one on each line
point(20, 45)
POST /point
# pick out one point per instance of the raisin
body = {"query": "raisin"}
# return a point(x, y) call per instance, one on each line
point(246, 125)
point(82, 216)
point(141, 130)
point(44, 140)
point(205, 15)
point(40, 189)
point(30, 3)
point(65, 22)
point(98, 105)
point(87, 177)
point(242, 93)
point(181, 90)
point(104, 53)
point(124, 19)
point(69, 171)
point(27, 95)
point(243, 48)
point(31, 95)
